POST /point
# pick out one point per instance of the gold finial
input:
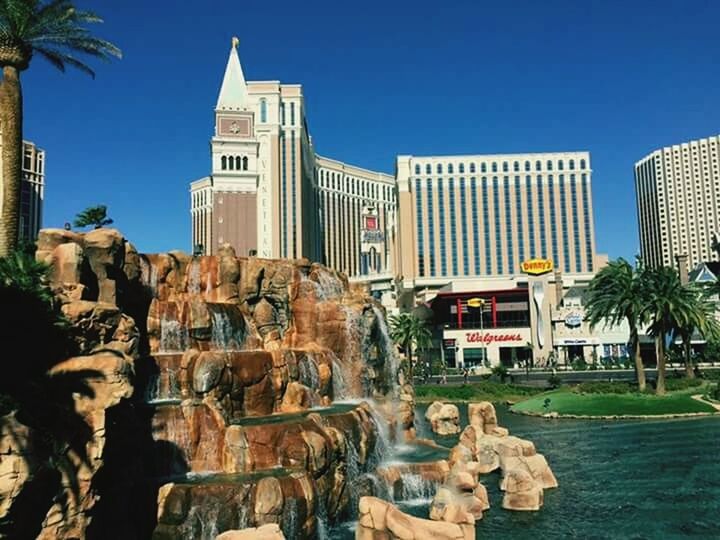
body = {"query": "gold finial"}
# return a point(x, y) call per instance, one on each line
point(235, 42)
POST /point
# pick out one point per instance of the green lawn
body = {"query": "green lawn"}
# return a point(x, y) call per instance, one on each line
point(565, 401)
point(481, 391)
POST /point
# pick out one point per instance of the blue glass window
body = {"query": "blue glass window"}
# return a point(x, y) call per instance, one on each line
point(283, 232)
point(439, 168)
point(494, 167)
point(519, 220)
point(282, 113)
point(505, 166)
point(483, 167)
point(292, 113)
point(553, 227)
point(431, 229)
point(582, 163)
point(463, 227)
point(527, 166)
point(486, 226)
point(560, 165)
point(453, 225)
point(549, 165)
point(530, 218)
point(475, 225)
point(441, 216)
point(428, 169)
point(541, 217)
point(576, 224)
point(538, 166)
point(572, 164)
point(417, 169)
point(450, 168)
point(263, 110)
point(461, 168)
point(586, 217)
point(419, 225)
point(564, 221)
point(509, 263)
point(498, 238)
point(516, 166)
point(472, 167)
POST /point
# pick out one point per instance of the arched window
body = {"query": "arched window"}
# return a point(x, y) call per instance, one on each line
point(231, 163)
point(263, 110)
point(538, 166)
point(450, 168)
point(238, 163)
point(245, 163)
point(527, 165)
point(472, 168)
point(223, 163)
point(516, 166)
point(572, 164)
point(549, 165)
point(505, 166)
point(561, 166)
point(428, 169)
point(494, 167)
point(483, 167)
point(582, 163)
point(461, 168)
point(417, 169)
point(439, 168)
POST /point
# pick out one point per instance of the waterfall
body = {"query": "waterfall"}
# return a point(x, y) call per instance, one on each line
point(416, 490)
point(329, 286)
point(224, 336)
point(148, 275)
point(290, 518)
point(383, 447)
point(352, 475)
point(338, 380)
point(308, 372)
point(392, 365)
point(194, 277)
point(321, 519)
point(173, 335)
point(152, 390)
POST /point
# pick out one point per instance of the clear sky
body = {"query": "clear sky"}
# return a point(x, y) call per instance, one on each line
point(616, 78)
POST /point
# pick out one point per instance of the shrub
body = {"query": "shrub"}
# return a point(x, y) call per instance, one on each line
point(603, 387)
point(579, 364)
point(501, 372)
point(554, 381)
point(714, 393)
point(673, 384)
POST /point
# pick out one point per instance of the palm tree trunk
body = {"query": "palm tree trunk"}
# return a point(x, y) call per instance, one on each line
point(689, 373)
point(408, 348)
point(660, 348)
point(11, 125)
point(635, 347)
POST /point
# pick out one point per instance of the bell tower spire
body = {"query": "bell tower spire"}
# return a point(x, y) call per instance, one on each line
point(233, 91)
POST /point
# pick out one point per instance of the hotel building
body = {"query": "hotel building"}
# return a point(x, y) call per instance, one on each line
point(678, 202)
point(448, 231)
point(32, 190)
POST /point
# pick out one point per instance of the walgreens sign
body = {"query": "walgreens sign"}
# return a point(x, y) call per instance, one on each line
point(487, 339)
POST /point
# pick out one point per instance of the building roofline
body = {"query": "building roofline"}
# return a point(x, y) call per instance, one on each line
point(319, 158)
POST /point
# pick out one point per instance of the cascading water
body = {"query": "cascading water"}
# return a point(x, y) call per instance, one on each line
point(308, 372)
point(173, 336)
point(340, 391)
point(416, 490)
point(225, 337)
point(290, 519)
point(388, 348)
point(329, 286)
point(194, 277)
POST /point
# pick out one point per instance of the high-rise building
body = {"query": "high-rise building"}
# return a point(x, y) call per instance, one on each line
point(678, 202)
point(261, 196)
point(481, 216)
point(32, 190)
point(357, 219)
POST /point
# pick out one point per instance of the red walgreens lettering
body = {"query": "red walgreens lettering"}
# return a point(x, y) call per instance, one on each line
point(487, 339)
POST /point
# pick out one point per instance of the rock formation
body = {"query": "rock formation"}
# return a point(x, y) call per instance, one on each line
point(220, 375)
point(444, 418)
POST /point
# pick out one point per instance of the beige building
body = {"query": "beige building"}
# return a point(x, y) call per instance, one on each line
point(357, 218)
point(678, 202)
point(261, 196)
point(32, 190)
point(467, 217)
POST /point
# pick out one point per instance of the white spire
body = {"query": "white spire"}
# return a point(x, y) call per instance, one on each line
point(233, 92)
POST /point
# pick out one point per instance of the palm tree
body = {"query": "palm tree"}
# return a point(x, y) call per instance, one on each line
point(409, 331)
point(700, 318)
point(617, 293)
point(53, 30)
point(94, 215)
point(670, 305)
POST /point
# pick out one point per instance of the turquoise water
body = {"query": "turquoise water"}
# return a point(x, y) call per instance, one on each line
point(618, 480)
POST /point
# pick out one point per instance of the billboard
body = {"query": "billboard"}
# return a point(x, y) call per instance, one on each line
point(536, 267)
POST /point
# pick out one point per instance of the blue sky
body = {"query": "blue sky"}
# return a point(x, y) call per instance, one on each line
point(618, 79)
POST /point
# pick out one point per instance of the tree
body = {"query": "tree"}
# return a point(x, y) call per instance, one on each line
point(617, 293)
point(53, 30)
point(700, 317)
point(669, 305)
point(409, 331)
point(94, 215)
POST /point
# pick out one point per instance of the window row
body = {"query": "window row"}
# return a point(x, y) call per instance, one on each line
point(234, 163)
point(505, 166)
point(354, 186)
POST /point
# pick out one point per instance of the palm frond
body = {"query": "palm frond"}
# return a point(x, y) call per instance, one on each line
point(59, 59)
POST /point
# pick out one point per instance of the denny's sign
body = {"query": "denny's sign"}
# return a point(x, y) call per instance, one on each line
point(536, 267)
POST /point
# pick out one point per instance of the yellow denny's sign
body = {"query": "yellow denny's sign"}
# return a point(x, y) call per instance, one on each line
point(475, 302)
point(536, 267)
